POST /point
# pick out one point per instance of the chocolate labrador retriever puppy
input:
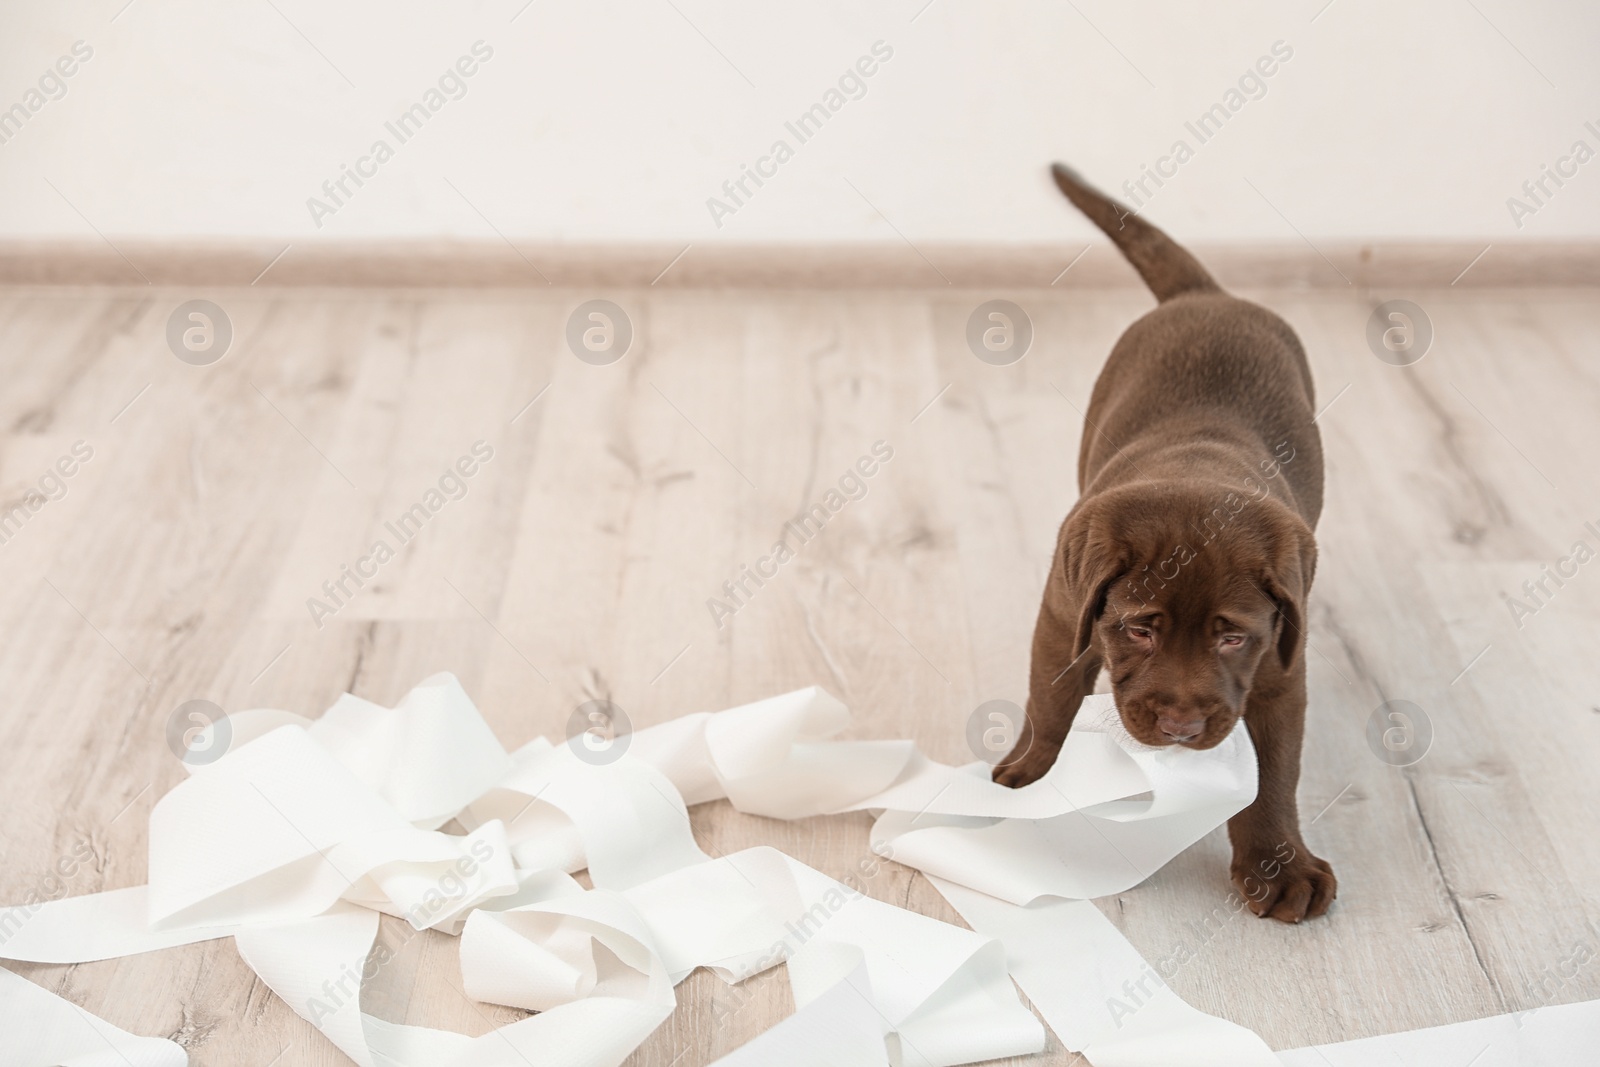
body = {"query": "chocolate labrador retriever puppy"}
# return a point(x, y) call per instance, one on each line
point(1185, 564)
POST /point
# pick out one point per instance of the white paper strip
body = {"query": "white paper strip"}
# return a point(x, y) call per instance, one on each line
point(1567, 1035)
point(100, 926)
point(840, 1028)
point(43, 1030)
point(1095, 990)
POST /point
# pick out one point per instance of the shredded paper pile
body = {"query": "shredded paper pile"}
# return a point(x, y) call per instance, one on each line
point(303, 832)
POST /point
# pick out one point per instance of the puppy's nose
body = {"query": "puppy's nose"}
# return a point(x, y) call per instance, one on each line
point(1180, 731)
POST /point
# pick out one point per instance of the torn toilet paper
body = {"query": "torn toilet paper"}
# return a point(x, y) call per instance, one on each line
point(304, 831)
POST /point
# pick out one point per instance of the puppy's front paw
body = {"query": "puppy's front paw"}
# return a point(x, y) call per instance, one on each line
point(1285, 882)
point(1027, 763)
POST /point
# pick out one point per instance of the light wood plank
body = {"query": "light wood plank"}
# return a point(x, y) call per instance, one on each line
point(178, 563)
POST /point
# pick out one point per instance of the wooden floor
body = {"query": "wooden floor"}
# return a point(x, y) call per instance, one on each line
point(579, 563)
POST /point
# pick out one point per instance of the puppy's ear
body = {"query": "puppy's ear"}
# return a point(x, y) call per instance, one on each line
point(1090, 561)
point(1288, 581)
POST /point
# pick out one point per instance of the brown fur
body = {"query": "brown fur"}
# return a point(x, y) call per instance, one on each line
point(1185, 565)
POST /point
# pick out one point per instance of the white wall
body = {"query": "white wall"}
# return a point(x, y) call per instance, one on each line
point(616, 120)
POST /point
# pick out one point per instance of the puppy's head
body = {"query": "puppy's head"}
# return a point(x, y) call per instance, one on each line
point(1191, 593)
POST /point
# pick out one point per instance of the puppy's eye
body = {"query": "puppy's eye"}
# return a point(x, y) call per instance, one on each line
point(1141, 632)
point(1232, 640)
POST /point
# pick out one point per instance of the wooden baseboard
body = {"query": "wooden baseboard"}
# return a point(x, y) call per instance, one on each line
point(474, 264)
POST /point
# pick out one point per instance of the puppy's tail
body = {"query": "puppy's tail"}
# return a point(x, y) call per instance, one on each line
point(1164, 265)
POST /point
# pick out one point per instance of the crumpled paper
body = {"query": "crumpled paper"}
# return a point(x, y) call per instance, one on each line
point(296, 839)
